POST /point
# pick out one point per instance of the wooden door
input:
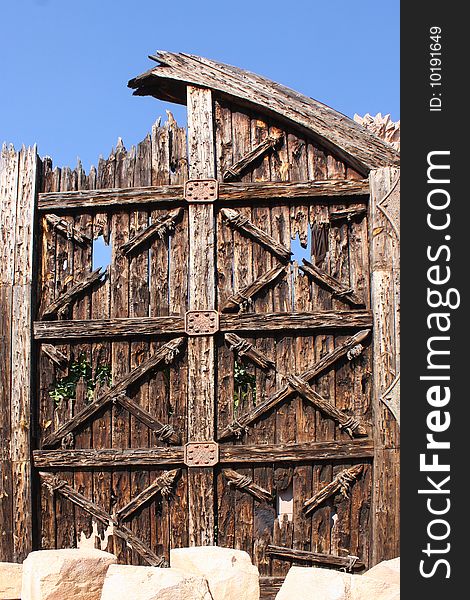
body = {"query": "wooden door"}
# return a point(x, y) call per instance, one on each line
point(221, 390)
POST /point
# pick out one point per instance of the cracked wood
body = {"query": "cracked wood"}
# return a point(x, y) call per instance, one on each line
point(338, 290)
point(342, 483)
point(163, 226)
point(243, 224)
point(242, 298)
point(80, 287)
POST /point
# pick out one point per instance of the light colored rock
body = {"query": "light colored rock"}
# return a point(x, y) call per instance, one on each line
point(230, 573)
point(65, 574)
point(10, 580)
point(368, 588)
point(387, 571)
point(311, 583)
point(125, 582)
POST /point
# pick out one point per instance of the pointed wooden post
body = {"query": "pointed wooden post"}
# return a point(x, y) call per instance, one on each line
point(385, 287)
point(18, 180)
point(201, 349)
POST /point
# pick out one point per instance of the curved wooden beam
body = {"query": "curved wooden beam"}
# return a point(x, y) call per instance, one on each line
point(350, 141)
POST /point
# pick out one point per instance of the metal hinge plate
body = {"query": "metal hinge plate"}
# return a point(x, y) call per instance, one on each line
point(201, 322)
point(201, 454)
point(201, 190)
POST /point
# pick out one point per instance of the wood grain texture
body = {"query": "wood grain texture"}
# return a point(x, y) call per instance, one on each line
point(166, 195)
point(384, 263)
point(201, 350)
point(361, 149)
point(19, 173)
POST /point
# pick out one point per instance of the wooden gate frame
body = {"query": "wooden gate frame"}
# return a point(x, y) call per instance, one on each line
point(18, 194)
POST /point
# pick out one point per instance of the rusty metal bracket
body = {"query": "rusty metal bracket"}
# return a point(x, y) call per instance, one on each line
point(201, 454)
point(201, 190)
point(201, 322)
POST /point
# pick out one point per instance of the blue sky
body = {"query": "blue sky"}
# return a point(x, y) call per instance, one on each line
point(65, 65)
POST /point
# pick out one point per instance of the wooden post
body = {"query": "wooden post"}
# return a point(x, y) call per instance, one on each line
point(385, 271)
point(201, 350)
point(18, 179)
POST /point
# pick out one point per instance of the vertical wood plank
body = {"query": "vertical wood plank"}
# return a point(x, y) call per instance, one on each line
point(178, 291)
point(8, 203)
point(201, 350)
point(21, 349)
point(384, 263)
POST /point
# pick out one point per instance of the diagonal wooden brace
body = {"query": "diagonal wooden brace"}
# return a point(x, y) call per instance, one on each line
point(165, 354)
point(67, 229)
point(338, 290)
point(244, 348)
point(240, 425)
point(245, 484)
point(165, 433)
point(342, 482)
point(55, 484)
point(243, 224)
point(78, 288)
point(235, 171)
point(164, 225)
point(346, 422)
point(241, 298)
point(161, 484)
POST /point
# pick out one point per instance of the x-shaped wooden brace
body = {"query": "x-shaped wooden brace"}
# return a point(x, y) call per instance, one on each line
point(299, 384)
point(165, 354)
point(162, 484)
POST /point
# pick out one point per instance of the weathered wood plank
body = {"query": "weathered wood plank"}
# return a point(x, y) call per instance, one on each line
point(261, 453)
point(316, 558)
point(21, 352)
point(235, 170)
point(325, 320)
point(338, 289)
point(171, 194)
point(243, 297)
point(384, 231)
point(240, 222)
point(108, 328)
point(201, 350)
point(163, 226)
point(8, 205)
point(361, 149)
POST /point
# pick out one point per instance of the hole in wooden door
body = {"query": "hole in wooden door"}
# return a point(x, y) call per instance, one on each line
point(299, 250)
point(285, 503)
point(244, 390)
point(101, 253)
